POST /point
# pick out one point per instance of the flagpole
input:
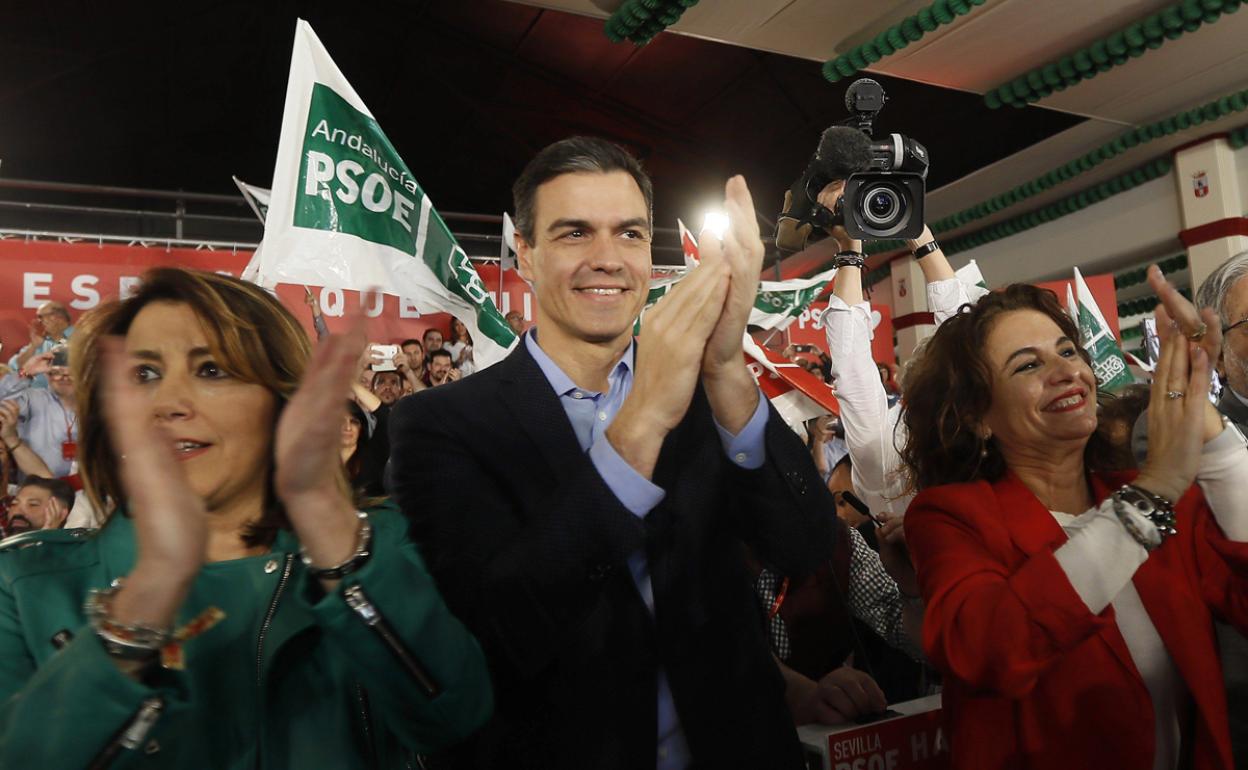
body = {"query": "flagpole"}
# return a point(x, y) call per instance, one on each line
point(502, 261)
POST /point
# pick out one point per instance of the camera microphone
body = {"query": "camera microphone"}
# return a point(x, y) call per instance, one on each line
point(843, 151)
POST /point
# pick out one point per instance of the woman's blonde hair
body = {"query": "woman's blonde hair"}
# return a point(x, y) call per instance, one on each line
point(257, 339)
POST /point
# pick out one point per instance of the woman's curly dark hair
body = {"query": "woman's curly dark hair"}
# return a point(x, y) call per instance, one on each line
point(948, 392)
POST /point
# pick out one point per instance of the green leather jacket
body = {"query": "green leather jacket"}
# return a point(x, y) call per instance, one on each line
point(368, 676)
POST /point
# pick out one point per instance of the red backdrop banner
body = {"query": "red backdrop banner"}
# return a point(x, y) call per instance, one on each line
point(1103, 291)
point(82, 275)
point(803, 331)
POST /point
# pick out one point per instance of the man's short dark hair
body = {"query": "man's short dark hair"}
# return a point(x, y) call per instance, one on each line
point(407, 342)
point(439, 353)
point(429, 331)
point(59, 488)
point(575, 155)
point(378, 375)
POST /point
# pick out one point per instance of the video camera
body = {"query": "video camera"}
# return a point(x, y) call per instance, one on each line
point(885, 179)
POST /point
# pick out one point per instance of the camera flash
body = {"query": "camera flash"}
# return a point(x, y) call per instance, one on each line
point(716, 222)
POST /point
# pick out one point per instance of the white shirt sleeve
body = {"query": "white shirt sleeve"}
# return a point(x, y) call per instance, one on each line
point(945, 297)
point(1223, 478)
point(869, 423)
point(1101, 556)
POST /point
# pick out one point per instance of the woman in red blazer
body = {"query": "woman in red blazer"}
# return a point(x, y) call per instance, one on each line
point(1068, 605)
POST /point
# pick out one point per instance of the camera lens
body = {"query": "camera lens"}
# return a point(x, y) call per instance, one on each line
point(883, 206)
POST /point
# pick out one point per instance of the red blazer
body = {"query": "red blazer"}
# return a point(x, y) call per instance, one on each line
point(1035, 680)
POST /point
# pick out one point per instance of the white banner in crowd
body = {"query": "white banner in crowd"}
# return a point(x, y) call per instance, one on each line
point(347, 213)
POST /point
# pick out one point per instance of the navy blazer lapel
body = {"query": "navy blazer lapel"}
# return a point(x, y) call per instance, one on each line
point(531, 400)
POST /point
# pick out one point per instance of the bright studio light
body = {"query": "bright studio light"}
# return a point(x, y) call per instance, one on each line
point(716, 223)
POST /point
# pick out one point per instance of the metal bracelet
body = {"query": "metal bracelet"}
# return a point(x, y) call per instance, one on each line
point(122, 640)
point(1153, 507)
point(849, 259)
point(363, 549)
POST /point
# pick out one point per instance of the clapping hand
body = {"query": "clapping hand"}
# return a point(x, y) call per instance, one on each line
point(308, 463)
point(1203, 328)
point(670, 352)
point(741, 252)
point(1180, 416)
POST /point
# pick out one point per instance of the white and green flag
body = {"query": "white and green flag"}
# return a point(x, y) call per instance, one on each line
point(1108, 363)
point(256, 197)
point(779, 303)
point(659, 287)
point(347, 213)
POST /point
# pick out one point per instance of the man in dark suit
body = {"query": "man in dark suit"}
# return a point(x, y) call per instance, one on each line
point(582, 504)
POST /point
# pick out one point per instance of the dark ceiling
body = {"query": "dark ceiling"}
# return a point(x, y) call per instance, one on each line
point(179, 97)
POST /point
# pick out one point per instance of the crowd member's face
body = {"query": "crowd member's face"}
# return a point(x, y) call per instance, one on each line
point(839, 483)
point(590, 260)
point(1235, 346)
point(350, 432)
point(220, 428)
point(1043, 393)
point(388, 386)
point(516, 322)
point(461, 331)
point(29, 509)
point(60, 381)
point(439, 368)
point(54, 323)
point(415, 355)
point(433, 340)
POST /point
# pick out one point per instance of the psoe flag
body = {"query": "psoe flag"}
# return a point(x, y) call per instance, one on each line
point(347, 213)
point(778, 303)
point(796, 394)
point(1108, 363)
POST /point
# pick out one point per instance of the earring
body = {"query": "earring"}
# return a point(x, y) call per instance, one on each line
point(983, 447)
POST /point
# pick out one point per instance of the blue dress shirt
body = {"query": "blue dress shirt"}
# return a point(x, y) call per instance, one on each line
point(591, 413)
point(44, 422)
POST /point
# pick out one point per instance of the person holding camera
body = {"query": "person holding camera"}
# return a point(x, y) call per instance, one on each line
point(869, 416)
point(52, 326)
point(47, 419)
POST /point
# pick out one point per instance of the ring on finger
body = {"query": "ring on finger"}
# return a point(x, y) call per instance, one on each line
point(1172, 394)
point(1199, 334)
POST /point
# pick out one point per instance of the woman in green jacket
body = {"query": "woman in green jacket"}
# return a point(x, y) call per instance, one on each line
point(235, 611)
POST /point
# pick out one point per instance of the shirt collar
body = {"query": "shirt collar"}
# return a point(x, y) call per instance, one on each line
point(558, 379)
